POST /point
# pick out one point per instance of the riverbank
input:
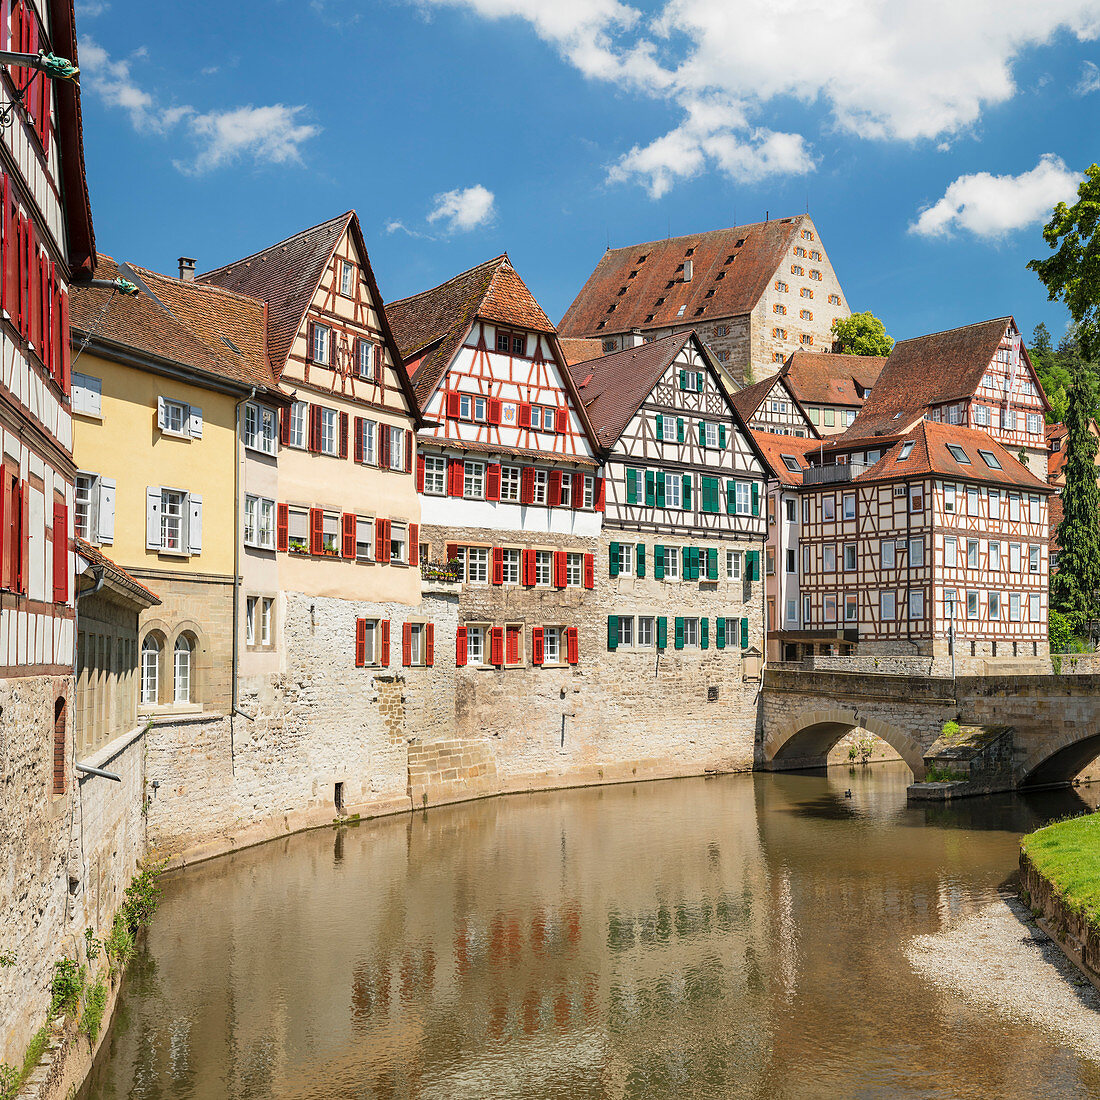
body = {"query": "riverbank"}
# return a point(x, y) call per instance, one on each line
point(1001, 961)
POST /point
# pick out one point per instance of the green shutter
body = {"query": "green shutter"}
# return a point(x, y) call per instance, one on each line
point(641, 559)
point(680, 427)
point(753, 559)
point(683, 379)
point(720, 633)
point(744, 633)
point(687, 492)
point(722, 436)
point(662, 632)
point(613, 560)
point(710, 494)
point(702, 434)
point(704, 634)
point(632, 486)
point(695, 563)
point(612, 631)
point(659, 563)
point(731, 496)
point(650, 489)
point(756, 498)
point(712, 564)
point(699, 382)
point(679, 632)
point(660, 488)
point(685, 565)
point(660, 426)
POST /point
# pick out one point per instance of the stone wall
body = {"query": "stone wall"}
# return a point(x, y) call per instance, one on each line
point(1071, 931)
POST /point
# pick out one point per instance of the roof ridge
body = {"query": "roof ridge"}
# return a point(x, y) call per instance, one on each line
point(206, 288)
point(708, 233)
point(957, 328)
point(286, 240)
point(498, 260)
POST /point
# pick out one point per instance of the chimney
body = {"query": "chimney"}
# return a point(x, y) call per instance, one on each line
point(688, 270)
point(635, 339)
point(187, 268)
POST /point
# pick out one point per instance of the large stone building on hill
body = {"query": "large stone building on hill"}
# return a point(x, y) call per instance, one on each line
point(754, 293)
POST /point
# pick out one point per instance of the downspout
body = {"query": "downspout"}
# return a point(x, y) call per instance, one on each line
point(237, 448)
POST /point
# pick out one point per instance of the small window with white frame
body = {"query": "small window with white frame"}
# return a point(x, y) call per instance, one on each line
point(509, 483)
point(347, 279)
point(574, 570)
point(626, 558)
point(477, 558)
point(646, 636)
point(299, 415)
point(673, 491)
point(259, 428)
point(474, 480)
point(691, 631)
point(397, 447)
point(625, 635)
point(1033, 559)
point(399, 543)
point(259, 522)
point(887, 607)
point(544, 568)
point(319, 352)
point(851, 607)
point(994, 604)
point(710, 430)
point(173, 416)
point(972, 605)
point(330, 433)
point(509, 559)
point(551, 645)
point(672, 562)
point(539, 486)
point(475, 644)
point(435, 474)
point(364, 538)
point(916, 604)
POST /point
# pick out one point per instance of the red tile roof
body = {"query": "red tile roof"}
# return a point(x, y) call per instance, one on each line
point(928, 370)
point(774, 447)
point(70, 137)
point(115, 572)
point(830, 379)
point(183, 325)
point(736, 264)
point(579, 349)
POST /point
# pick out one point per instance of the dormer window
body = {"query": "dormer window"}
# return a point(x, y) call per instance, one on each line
point(906, 450)
point(791, 463)
point(515, 343)
point(958, 454)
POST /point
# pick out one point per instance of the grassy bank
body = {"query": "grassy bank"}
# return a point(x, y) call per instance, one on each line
point(1068, 855)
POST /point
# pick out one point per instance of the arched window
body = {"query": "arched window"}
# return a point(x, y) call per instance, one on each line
point(181, 675)
point(150, 671)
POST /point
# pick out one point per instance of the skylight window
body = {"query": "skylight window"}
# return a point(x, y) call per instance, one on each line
point(990, 459)
point(896, 416)
point(906, 450)
point(680, 311)
point(791, 463)
point(958, 454)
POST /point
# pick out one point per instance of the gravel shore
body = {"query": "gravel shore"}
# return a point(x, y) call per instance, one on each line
point(1000, 959)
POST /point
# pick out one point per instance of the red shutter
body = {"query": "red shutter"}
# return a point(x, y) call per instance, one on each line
point(284, 427)
point(524, 415)
point(24, 536)
point(408, 451)
point(498, 565)
point(5, 519)
point(384, 656)
point(555, 489)
point(511, 645)
point(536, 646)
point(414, 544)
point(406, 644)
point(343, 435)
point(460, 646)
point(577, 496)
point(589, 570)
point(347, 533)
point(429, 644)
point(379, 365)
point(492, 481)
point(383, 446)
point(358, 444)
point(420, 473)
point(527, 485)
point(458, 477)
point(560, 571)
point(382, 540)
point(561, 419)
point(494, 410)
point(282, 527)
point(315, 428)
point(66, 349)
point(360, 642)
point(496, 646)
point(316, 530)
point(528, 567)
point(598, 496)
point(454, 407)
point(5, 229)
point(571, 646)
point(60, 553)
point(452, 551)
point(310, 329)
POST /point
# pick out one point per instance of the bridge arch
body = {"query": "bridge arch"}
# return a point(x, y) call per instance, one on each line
point(804, 741)
point(1058, 758)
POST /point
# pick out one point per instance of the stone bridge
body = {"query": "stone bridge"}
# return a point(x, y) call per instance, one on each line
point(1056, 719)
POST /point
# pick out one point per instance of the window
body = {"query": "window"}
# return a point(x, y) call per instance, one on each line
point(851, 607)
point(691, 632)
point(1014, 565)
point(551, 645)
point(721, 330)
point(475, 645)
point(367, 437)
point(330, 424)
point(364, 537)
point(540, 480)
point(544, 562)
point(626, 558)
point(435, 472)
point(710, 434)
point(796, 269)
point(512, 343)
point(474, 480)
point(958, 454)
point(829, 418)
point(830, 608)
point(906, 450)
point(994, 605)
point(815, 275)
point(995, 556)
point(886, 603)
point(780, 286)
point(259, 428)
point(150, 671)
point(828, 558)
point(743, 497)
point(981, 416)
point(366, 359)
point(509, 482)
point(791, 562)
point(916, 604)
point(792, 464)
point(478, 565)
point(780, 309)
point(86, 394)
point(574, 570)
point(849, 557)
point(886, 554)
point(626, 630)
point(181, 670)
point(790, 509)
point(806, 315)
point(589, 492)
point(916, 552)
point(259, 522)
point(668, 428)
point(806, 338)
point(733, 565)
point(769, 562)
point(298, 530)
point(950, 551)
point(994, 503)
point(672, 563)
point(645, 631)
point(972, 605)
point(566, 490)
point(509, 566)
point(330, 533)
point(1033, 559)
point(949, 498)
point(1034, 423)
point(828, 507)
point(849, 506)
point(173, 520)
point(397, 448)
point(347, 279)
point(320, 347)
point(834, 299)
point(1014, 607)
point(972, 553)
point(1033, 607)
point(1035, 510)
point(1013, 506)
point(83, 501)
point(971, 501)
point(250, 607)
point(417, 633)
point(399, 543)
point(673, 487)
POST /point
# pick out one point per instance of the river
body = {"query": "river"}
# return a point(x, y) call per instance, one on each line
point(742, 936)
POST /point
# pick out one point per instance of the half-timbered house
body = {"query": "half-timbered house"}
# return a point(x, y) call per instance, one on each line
point(832, 391)
point(931, 540)
point(979, 376)
point(684, 526)
point(771, 406)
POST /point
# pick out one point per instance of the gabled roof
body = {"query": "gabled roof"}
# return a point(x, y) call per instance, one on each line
point(747, 401)
point(735, 263)
point(774, 447)
point(430, 326)
point(927, 371)
point(70, 136)
point(830, 379)
point(579, 349)
point(181, 327)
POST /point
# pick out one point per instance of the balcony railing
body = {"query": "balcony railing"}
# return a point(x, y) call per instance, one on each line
point(827, 475)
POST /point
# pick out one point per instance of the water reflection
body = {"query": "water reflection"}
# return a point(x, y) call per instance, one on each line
point(733, 937)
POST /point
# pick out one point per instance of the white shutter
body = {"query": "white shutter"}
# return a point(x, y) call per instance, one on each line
point(160, 413)
point(194, 421)
point(194, 523)
point(105, 511)
point(78, 392)
point(93, 396)
point(152, 517)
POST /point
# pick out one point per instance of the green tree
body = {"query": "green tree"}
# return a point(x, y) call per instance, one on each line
point(1074, 588)
point(1072, 274)
point(861, 334)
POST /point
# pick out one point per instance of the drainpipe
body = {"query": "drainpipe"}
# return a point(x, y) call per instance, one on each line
point(237, 448)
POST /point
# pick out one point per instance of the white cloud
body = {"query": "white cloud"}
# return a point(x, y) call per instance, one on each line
point(89, 9)
point(880, 70)
point(268, 135)
point(464, 209)
point(1090, 79)
point(992, 206)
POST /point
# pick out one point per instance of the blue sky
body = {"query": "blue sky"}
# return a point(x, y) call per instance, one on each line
point(929, 145)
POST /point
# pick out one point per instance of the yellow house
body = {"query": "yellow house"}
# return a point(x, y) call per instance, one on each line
point(156, 409)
